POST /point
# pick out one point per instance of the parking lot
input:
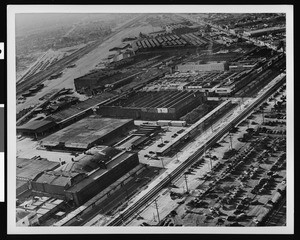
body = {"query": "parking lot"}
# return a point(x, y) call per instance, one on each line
point(237, 182)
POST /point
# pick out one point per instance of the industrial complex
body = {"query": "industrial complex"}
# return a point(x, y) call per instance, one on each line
point(76, 180)
point(184, 125)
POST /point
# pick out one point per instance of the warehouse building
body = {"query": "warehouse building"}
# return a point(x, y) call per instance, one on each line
point(197, 66)
point(170, 105)
point(87, 175)
point(87, 133)
point(93, 80)
point(37, 127)
point(98, 81)
point(28, 169)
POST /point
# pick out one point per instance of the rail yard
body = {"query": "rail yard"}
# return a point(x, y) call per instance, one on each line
point(169, 120)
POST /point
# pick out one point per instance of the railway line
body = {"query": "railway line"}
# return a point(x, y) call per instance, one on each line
point(55, 68)
point(62, 63)
point(127, 213)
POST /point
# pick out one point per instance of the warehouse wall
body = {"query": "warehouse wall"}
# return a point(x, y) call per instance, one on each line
point(47, 188)
point(24, 187)
point(105, 180)
point(82, 83)
point(150, 114)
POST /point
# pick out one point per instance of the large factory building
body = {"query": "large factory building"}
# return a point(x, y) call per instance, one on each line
point(87, 175)
point(197, 66)
point(153, 105)
point(87, 133)
point(93, 80)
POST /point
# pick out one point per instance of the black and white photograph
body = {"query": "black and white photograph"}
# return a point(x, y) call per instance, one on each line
point(150, 119)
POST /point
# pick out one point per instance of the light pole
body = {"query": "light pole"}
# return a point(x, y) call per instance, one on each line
point(155, 202)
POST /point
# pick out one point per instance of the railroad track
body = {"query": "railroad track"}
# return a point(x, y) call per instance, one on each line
point(62, 63)
point(127, 213)
point(57, 67)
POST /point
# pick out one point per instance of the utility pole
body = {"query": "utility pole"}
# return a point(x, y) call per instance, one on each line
point(185, 179)
point(230, 140)
point(155, 202)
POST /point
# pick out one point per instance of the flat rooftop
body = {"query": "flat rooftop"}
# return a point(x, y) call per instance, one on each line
point(194, 80)
point(85, 131)
point(161, 99)
point(30, 168)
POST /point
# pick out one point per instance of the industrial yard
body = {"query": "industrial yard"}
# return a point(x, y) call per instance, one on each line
point(165, 120)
